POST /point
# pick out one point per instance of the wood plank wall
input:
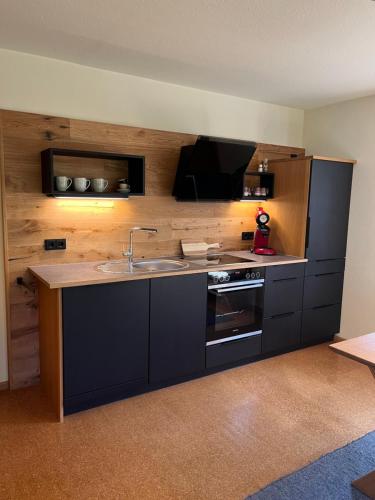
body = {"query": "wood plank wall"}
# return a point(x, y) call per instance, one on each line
point(96, 233)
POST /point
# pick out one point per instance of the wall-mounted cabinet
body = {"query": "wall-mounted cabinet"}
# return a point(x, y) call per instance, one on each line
point(258, 186)
point(92, 165)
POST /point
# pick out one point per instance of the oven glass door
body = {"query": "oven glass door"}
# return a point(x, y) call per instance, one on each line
point(234, 312)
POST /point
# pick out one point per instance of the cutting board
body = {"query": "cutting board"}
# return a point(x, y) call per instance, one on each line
point(195, 247)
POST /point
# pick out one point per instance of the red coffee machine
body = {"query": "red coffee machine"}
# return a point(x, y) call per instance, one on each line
point(262, 234)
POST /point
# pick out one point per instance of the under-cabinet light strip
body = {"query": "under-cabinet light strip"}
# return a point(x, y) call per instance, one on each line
point(253, 201)
point(88, 198)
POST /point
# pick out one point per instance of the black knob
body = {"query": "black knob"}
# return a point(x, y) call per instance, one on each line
point(258, 275)
point(227, 278)
point(247, 276)
point(221, 279)
point(252, 275)
point(216, 280)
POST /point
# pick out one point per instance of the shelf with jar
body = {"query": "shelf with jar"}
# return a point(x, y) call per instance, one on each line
point(258, 186)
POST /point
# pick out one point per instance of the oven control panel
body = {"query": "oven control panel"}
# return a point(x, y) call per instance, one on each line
point(233, 275)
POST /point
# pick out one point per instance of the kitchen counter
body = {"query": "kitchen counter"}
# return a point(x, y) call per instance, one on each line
point(85, 273)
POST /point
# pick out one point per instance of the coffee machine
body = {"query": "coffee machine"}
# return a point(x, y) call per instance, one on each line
point(262, 234)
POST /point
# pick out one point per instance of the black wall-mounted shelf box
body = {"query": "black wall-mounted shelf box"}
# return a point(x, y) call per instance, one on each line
point(266, 180)
point(133, 169)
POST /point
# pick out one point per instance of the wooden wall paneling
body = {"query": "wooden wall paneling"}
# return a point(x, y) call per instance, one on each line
point(273, 152)
point(289, 208)
point(95, 233)
point(3, 214)
point(50, 339)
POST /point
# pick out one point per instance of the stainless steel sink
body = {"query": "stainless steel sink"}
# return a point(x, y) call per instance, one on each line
point(156, 265)
point(142, 266)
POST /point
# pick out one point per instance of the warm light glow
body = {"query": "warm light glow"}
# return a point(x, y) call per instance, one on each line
point(253, 201)
point(89, 203)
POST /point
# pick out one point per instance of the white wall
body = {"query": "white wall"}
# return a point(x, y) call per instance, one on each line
point(41, 85)
point(348, 130)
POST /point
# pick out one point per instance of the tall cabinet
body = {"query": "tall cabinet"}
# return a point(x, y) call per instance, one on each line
point(314, 224)
point(326, 236)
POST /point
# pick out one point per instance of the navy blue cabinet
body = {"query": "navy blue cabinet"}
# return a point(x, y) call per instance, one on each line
point(329, 203)
point(177, 326)
point(105, 342)
point(281, 332)
point(283, 298)
point(327, 230)
point(320, 323)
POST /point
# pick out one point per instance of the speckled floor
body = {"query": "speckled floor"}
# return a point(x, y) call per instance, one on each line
point(220, 437)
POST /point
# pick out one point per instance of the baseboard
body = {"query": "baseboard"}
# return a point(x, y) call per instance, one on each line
point(4, 386)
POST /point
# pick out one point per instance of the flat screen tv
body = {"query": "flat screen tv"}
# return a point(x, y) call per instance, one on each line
point(212, 169)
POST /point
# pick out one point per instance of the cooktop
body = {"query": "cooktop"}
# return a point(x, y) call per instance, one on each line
point(217, 259)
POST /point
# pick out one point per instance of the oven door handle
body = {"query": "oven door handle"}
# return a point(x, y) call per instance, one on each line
point(237, 288)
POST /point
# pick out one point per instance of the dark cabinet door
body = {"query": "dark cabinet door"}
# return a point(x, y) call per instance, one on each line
point(177, 326)
point(283, 296)
point(281, 332)
point(329, 202)
point(320, 323)
point(105, 336)
point(323, 289)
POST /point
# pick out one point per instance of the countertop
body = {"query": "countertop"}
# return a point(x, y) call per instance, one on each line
point(85, 273)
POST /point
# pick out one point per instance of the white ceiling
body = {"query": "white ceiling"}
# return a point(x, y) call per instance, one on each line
point(301, 53)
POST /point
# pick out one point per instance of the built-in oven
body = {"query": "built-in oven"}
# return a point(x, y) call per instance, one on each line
point(234, 305)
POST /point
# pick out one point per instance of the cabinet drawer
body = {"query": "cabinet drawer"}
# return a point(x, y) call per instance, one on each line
point(325, 266)
point(323, 289)
point(284, 271)
point(281, 332)
point(230, 352)
point(283, 296)
point(320, 323)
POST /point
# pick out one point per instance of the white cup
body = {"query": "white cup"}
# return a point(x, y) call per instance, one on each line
point(99, 185)
point(81, 184)
point(63, 183)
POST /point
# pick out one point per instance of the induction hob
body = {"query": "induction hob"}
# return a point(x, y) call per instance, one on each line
point(217, 259)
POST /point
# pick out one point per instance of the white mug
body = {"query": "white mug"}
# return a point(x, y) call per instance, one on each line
point(99, 185)
point(63, 183)
point(81, 184)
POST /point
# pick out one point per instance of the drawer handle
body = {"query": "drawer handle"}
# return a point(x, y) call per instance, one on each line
point(307, 234)
point(284, 279)
point(235, 341)
point(325, 274)
point(284, 315)
point(323, 307)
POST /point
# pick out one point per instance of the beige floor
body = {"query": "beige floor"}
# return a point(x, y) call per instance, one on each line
point(220, 437)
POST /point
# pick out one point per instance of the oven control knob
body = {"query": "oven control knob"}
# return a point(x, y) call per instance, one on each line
point(258, 275)
point(221, 279)
point(252, 275)
point(215, 280)
point(247, 276)
point(227, 278)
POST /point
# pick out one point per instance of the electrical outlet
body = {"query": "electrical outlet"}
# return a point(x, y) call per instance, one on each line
point(248, 235)
point(59, 244)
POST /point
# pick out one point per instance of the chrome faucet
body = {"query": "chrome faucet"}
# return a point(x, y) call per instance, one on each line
point(129, 252)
